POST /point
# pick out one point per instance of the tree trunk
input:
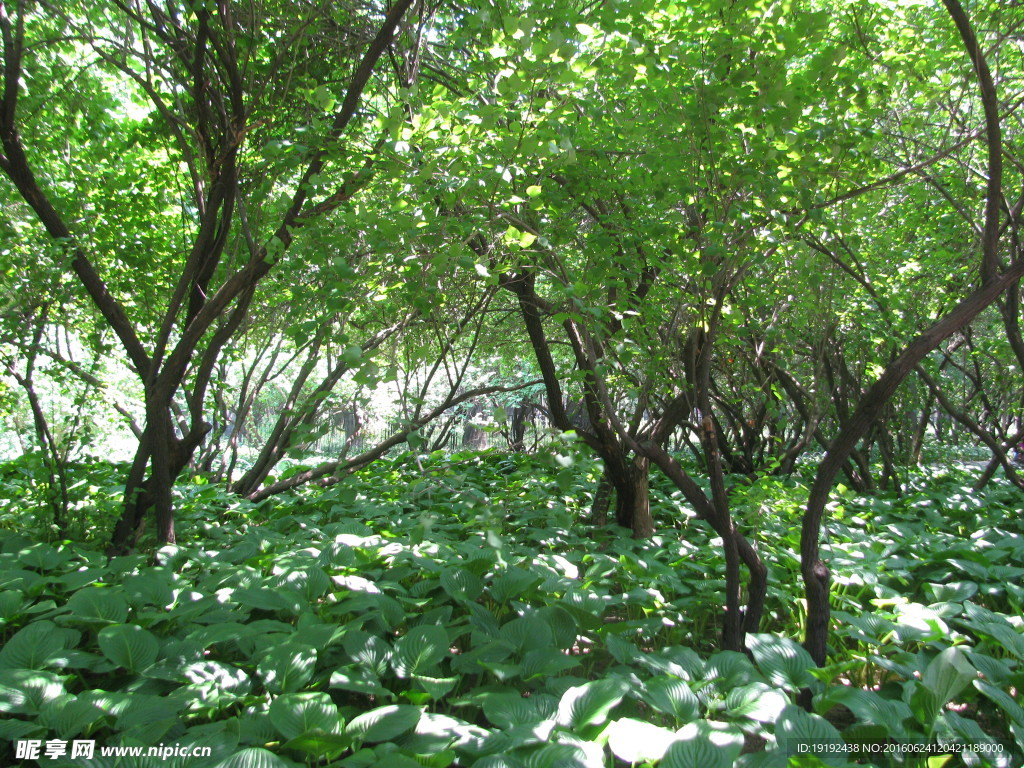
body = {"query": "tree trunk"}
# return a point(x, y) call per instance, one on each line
point(602, 501)
point(631, 479)
point(815, 572)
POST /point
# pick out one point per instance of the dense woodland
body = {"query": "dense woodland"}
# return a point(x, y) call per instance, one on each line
point(497, 384)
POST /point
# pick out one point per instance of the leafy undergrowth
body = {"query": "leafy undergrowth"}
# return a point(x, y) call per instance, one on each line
point(469, 617)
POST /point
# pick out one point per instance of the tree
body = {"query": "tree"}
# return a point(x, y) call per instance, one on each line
point(993, 280)
point(269, 134)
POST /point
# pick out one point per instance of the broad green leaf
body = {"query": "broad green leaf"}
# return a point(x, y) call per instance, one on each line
point(526, 633)
point(287, 667)
point(546, 662)
point(622, 650)
point(868, 706)
point(10, 605)
point(294, 714)
point(254, 757)
point(499, 761)
point(945, 677)
point(562, 756)
point(368, 650)
point(154, 587)
point(948, 674)
point(562, 625)
point(320, 745)
point(36, 645)
point(129, 646)
point(28, 692)
point(384, 723)
point(436, 687)
point(461, 584)
point(359, 679)
point(704, 745)
point(784, 662)
point(511, 583)
point(228, 632)
point(671, 696)
point(726, 670)
point(419, 651)
point(795, 727)
point(919, 623)
point(956, 591)
point(311, 582)
point(145, 710)
point(68, 716)
point(756, 701)
point(634, 741)
point(13, 730)
point(97, 605)
point(590, 703)
point(687, 664)
point(507, 710)
point(43, 557)
point(209, 679)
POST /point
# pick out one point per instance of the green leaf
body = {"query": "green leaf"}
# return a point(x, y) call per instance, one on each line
point(785, 663)
point(671, 696)
point(461, 584)
point(547, 662)
point(704, 745)
point(590, 703)
point(512, 582)
point(359, 679)
point(368, 650)
point(320, 745)
point(287, 667)
point(436, 687)
point(526, 633)
point(36, 645)
point(943, 680)
point(68, 716)
point(507, 710)
point(419, 651)
point(954, 592)
point(726, 670)
point(635, 741)
point(384, 723)
point(97, 605)
point(562, 625)
point(26, 691)
point(565, 756)
point(499, 761)
point(155, 587)
point(756, 701)
point(254, 757)
point(869, 707)
point(143, 711)
point(311, 582)
point(10, 605)
point(795, 727)
point(294, 714)
point(12, 730)
point(129, 646)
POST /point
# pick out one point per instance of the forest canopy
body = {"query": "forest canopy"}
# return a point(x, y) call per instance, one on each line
point(557, 378)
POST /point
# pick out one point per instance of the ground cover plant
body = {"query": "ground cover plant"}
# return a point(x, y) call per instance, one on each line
point(470, 617)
